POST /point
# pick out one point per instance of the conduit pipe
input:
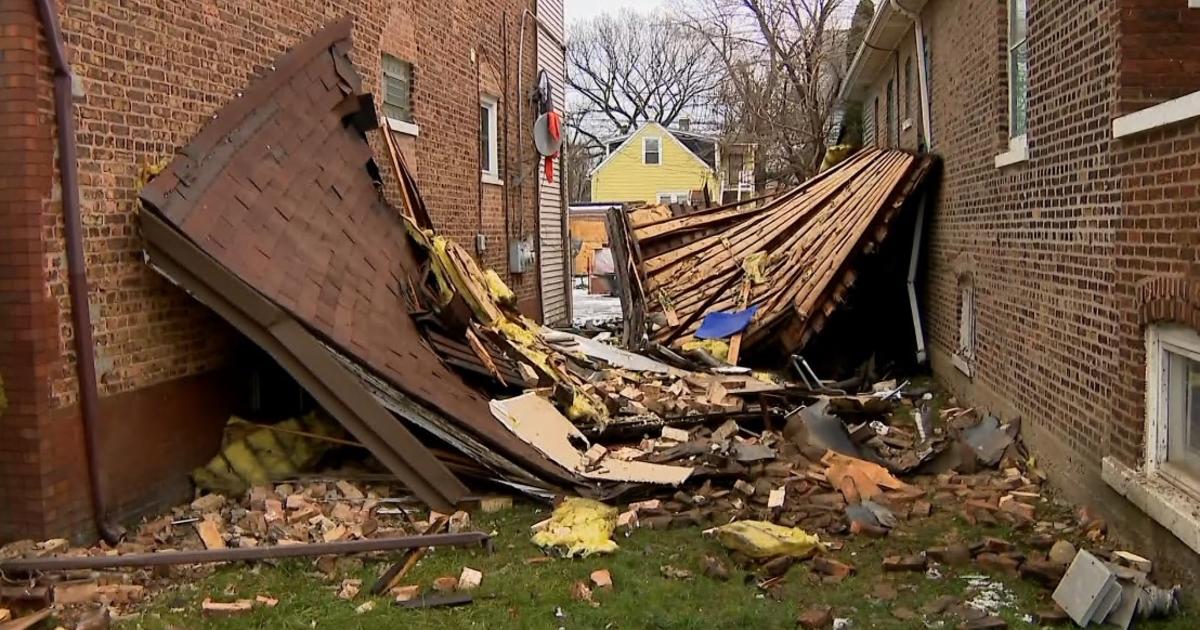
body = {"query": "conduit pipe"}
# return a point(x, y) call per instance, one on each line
point(77, 284)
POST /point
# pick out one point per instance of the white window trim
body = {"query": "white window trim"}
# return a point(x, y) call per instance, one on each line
point(404, 127)
point(1018, 151)
point(676, 197)
point(965, 361)
point(660, 148)
point(1171, 500)
point(1161, 115)
point(1159, 340)
point(492, 175)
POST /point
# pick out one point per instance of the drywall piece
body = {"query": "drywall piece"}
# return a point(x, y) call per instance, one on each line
point(1086, 588)
point(536, 421)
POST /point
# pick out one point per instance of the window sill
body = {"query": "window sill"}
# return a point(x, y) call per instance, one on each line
point(404, 127)
point(963, 366)
point(1161, 500)
point(1161, 115)
point(1018, 152)
point(491, 180)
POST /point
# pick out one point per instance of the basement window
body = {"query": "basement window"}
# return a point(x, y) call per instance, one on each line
point(489, 142)
point(397, 94)
point(1173, 404)
point(1167, 484)
point(964, 356)
point(651, 150)
point(672, 197)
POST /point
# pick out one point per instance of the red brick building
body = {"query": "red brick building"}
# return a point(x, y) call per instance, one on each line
point(1063, 256)
point(451, 76)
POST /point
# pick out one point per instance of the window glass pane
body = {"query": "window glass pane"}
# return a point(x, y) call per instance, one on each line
point(1183, 412)
point(485, 139)
point(1019, 75)
point(397, 88)
point(1192, 408)
point(651, 151)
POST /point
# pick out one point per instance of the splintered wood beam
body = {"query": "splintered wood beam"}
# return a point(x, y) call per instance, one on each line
point(735, 344)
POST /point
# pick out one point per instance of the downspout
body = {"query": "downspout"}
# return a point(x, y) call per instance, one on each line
point(81, 319)
point(914, 260)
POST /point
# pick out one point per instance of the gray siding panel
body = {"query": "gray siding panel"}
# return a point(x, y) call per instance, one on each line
point(552, 260)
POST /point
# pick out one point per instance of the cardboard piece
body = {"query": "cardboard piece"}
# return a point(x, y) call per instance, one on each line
point(536, 421)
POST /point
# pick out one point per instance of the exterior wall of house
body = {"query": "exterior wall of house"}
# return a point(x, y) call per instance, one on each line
point(624, 178)
point(152, 73)
point(1073, 251)
point(591, 230)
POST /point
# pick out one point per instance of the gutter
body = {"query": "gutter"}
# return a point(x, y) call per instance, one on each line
point(81, 317)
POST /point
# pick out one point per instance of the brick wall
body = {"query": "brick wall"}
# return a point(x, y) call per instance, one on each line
point(27, 349)
point(1159, 52)
point(1075, 250)
point(153, 72)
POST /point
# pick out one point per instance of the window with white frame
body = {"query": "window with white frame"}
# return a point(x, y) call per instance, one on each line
point(397, 94)
point(1173, 404)
point(489, 143)
point(672, 197)
point(1018, 69)
point(652, 150)
point(964, 356)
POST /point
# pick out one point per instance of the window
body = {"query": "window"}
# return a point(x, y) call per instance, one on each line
point(1173, 385)
point(397, 94)
point(908, 89)
point(875, 124)
point(1018, 69)
point(489, 141)
point(891, 112)
point(928, 87)
point(964, 357)
point(651, 151)
point(673, 197)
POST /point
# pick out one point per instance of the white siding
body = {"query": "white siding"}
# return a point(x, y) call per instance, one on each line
point(552, 259)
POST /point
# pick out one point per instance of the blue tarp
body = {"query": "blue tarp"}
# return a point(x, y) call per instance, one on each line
point(723, 325)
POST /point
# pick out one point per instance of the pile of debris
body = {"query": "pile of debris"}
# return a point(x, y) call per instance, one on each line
point(323, 519)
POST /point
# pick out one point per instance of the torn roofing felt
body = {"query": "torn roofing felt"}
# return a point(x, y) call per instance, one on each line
point(793, 258)
point(272, 217)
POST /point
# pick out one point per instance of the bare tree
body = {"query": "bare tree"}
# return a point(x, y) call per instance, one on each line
point(784, 64)
point(630, 68)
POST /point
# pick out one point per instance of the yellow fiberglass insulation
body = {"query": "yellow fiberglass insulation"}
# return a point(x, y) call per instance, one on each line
point(717, 348)
point(759, 539)
point(579, 527)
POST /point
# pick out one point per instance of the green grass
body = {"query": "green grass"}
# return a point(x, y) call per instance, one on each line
point(519, 595)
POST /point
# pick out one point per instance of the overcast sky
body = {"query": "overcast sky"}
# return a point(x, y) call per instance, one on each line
point(582, 9)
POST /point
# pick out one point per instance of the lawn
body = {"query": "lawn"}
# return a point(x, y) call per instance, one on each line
point(517, 594)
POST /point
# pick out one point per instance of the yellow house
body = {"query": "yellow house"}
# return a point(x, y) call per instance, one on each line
point(659, 165)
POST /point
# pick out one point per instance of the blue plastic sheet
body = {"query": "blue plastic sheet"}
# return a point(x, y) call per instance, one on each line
point(724, 325)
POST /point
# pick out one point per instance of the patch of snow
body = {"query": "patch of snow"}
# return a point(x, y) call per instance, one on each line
point(594, 309)
point(989, 595)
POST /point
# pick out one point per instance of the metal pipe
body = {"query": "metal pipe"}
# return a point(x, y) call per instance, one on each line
point(927, 199)
point(507, 192)
point(205, 556)
point(81, 319)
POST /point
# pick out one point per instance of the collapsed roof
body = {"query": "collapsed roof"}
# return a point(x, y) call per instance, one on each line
point(792, 259)
point(271, 216)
